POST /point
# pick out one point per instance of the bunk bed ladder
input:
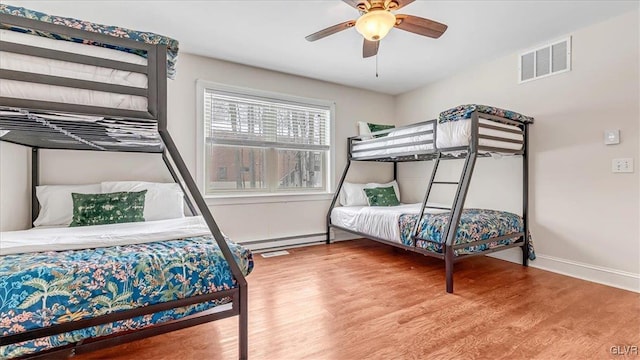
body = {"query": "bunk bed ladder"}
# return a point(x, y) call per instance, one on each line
point(425, 201)
point(454, 217)
point(455, 210)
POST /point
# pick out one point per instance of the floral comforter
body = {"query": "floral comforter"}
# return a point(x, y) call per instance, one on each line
point(47, 288)
point(464, 112)
point(142, 36)
point(475, 225)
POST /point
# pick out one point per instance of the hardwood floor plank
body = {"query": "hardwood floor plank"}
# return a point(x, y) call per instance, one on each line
point(364, 300)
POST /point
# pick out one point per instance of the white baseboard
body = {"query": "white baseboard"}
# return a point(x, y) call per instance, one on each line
point(598, 274)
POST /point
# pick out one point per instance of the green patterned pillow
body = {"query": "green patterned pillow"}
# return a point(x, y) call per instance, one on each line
point(382, 196)
point(379, 127)
point(111, 208)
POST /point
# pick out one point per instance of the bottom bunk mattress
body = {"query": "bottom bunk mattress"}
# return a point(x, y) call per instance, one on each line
point(396, 224)
point(149, 263)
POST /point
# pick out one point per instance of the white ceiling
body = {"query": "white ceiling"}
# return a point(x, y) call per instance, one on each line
point(270, 34)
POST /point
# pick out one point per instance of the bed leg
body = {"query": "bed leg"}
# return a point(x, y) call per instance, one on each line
point(448, 264)
point(243, 325)
point(525, 251)
point(328, 235)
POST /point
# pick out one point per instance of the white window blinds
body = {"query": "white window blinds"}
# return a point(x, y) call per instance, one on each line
point(239, 119)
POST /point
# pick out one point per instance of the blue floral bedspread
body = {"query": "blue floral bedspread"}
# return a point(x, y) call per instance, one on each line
point(142, 36)
point(48, 288)
point(464, 112)
point(475, 225)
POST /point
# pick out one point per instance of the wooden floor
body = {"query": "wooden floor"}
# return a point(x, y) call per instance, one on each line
point(363, 300)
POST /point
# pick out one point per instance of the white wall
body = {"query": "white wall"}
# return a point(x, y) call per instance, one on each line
point(15, 177)
point(240, 221)
point(584, 219)
point(281, 219)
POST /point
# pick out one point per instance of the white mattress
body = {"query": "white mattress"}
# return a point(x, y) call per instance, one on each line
point(378, 221)
point(25, 90)
point(390, 141)
point(458, 133)
point(450, 134)
point(87, 237)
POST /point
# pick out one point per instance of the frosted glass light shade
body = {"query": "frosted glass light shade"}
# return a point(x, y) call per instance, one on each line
point(375, 24)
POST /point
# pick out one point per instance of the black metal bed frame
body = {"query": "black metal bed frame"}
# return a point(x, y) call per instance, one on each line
point(45, 135)
point(472, 152)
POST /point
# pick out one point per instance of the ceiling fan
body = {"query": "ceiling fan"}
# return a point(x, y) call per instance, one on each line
point(377, 19)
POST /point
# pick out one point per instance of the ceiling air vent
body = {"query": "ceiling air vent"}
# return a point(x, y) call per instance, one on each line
point(551, 59)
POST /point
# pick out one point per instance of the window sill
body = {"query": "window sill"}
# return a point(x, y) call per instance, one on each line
point(240, 199)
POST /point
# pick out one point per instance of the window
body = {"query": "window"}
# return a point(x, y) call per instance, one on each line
point(256, 143)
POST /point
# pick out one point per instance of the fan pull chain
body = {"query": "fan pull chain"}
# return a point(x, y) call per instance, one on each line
point(376, 65)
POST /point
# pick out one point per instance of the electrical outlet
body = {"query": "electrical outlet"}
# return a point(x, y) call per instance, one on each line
point(623, 165)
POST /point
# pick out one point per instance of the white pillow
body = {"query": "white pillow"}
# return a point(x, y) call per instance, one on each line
point(353, 194)
point(363, 130)
point(163, 200)
point(56, 204)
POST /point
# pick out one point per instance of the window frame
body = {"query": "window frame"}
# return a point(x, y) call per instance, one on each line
point(271, 193)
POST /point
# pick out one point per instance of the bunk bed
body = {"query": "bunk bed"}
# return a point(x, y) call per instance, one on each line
point(446, 231)
point(83, 86)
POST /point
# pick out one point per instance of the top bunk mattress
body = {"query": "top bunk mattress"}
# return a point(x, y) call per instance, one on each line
point(447, 135)
point(458, 133)
point(83, 25)
point(415, 140)
point(61, 94)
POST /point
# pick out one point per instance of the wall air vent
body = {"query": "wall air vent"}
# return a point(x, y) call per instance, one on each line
point(551, 59)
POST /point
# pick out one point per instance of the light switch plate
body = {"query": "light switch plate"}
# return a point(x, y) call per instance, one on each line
point(622, 165)
point(611, 137)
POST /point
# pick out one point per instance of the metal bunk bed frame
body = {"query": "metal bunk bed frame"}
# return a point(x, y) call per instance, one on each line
point(44, 136)
point(473, 151)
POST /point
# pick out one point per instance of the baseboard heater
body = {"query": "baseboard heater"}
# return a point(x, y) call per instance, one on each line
point(294, 241)
point(284, 242)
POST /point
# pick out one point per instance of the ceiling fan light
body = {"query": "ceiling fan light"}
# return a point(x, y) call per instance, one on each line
point(375, 24)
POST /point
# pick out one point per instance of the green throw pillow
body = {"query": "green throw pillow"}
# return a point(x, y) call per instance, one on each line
point(111, 208)
point(382, 196)
point(380, 127)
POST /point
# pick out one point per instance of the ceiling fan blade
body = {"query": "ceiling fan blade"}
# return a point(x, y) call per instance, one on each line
point(420, 26)
point(360, 5)
point(330, 30)
point(370, 48)
point(401, 4)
